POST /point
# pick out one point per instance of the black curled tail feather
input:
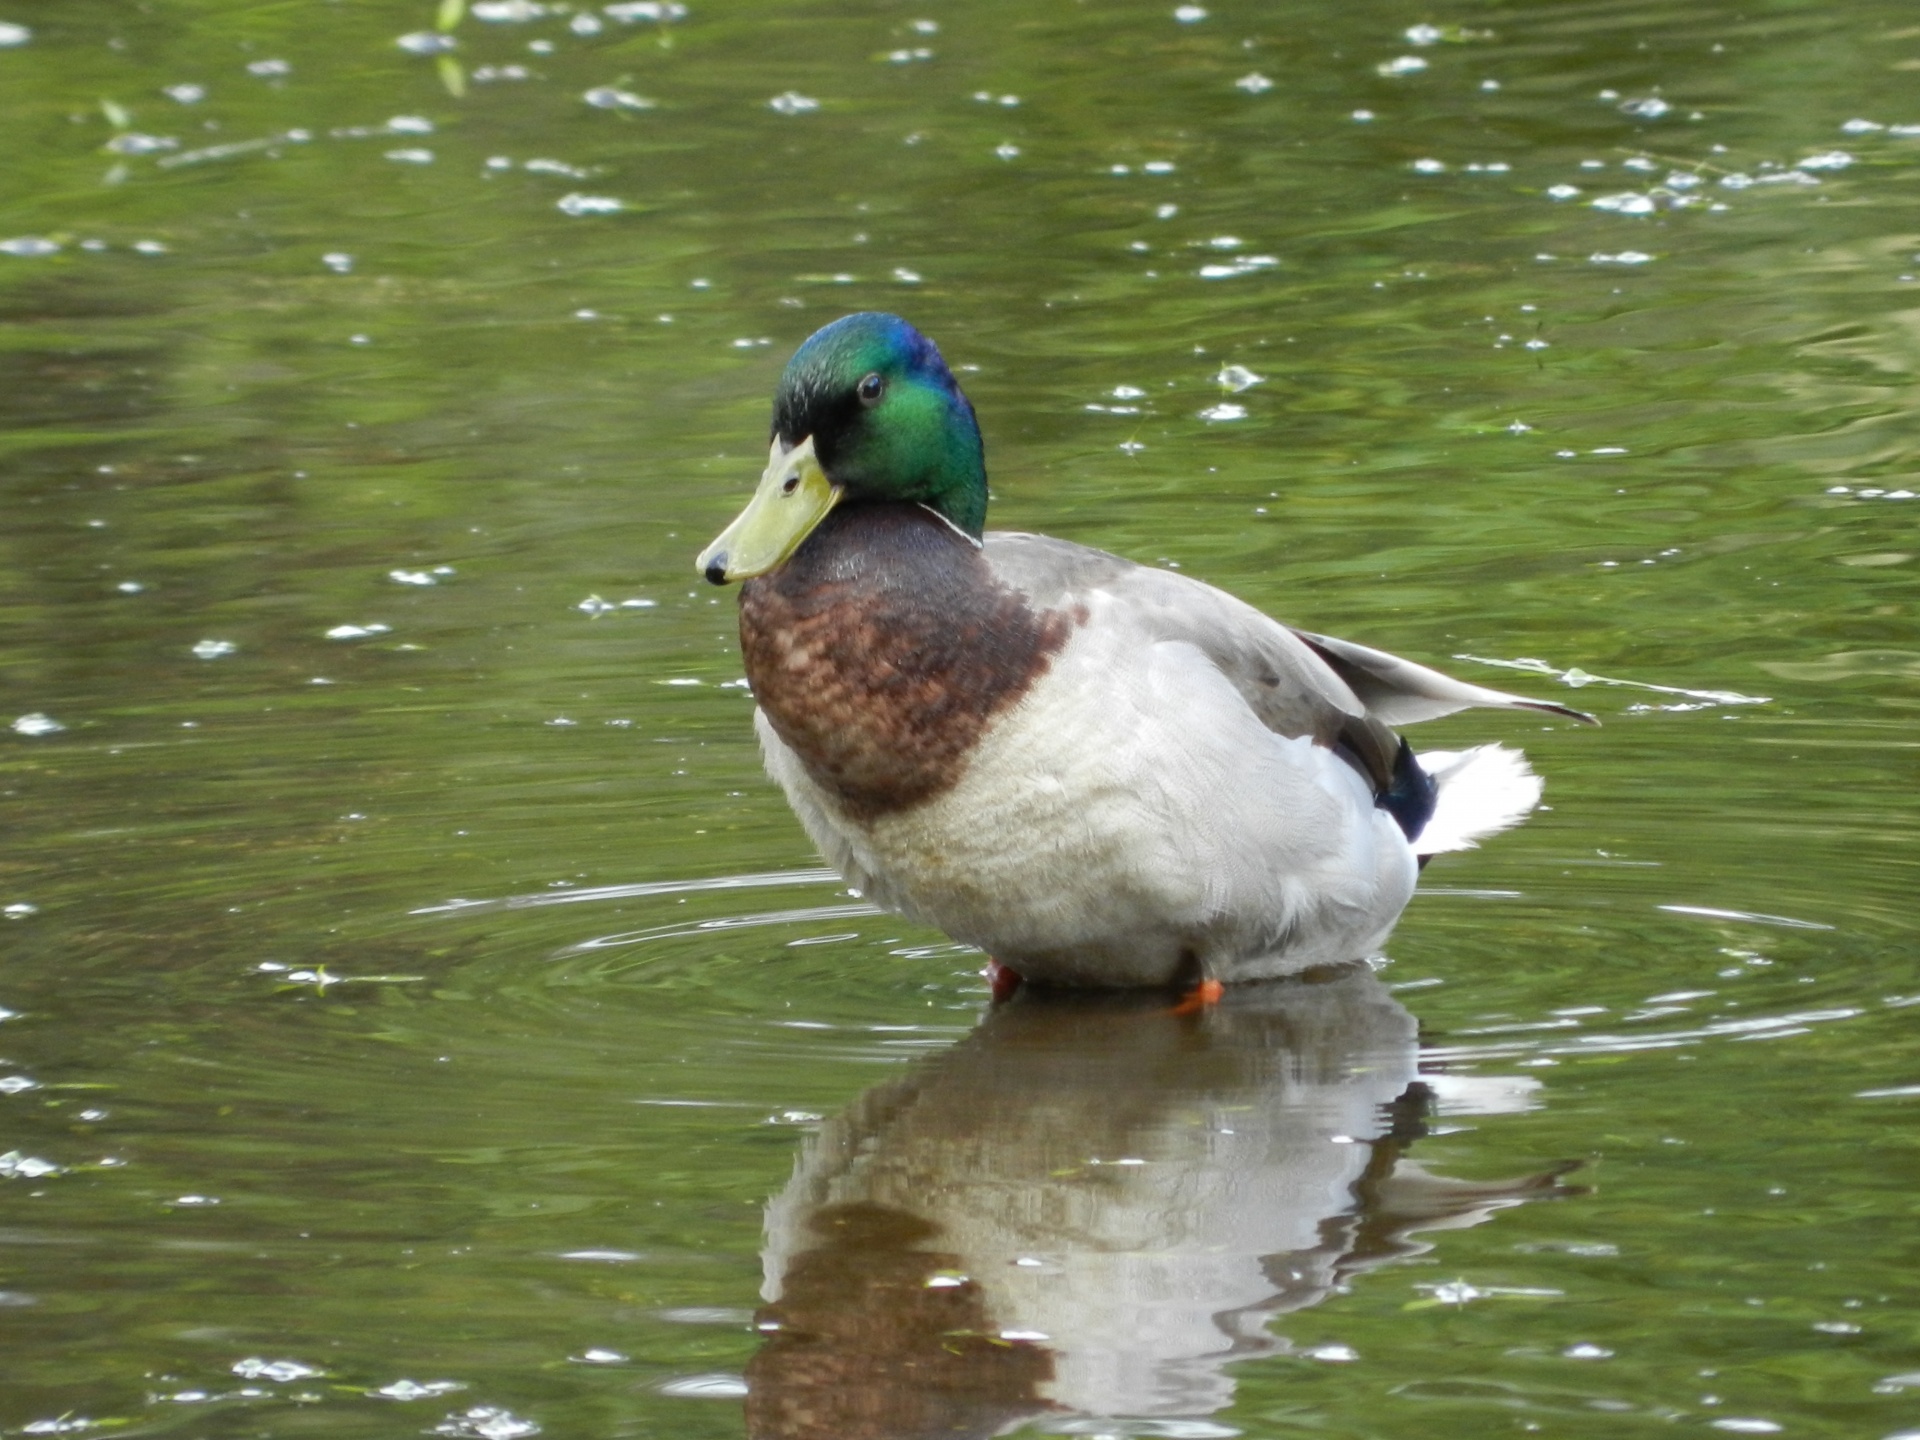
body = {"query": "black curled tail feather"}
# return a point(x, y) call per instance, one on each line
point(1411, 795)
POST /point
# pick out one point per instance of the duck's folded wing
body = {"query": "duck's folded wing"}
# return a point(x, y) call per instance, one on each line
point(1299, 684)
point(1400, 692)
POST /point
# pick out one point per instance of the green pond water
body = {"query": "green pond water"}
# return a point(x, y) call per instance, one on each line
point(418, 1012)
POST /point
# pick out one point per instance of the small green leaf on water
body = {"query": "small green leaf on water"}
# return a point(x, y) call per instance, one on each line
point(451, 13)
point(117, 115)
point(452, 76)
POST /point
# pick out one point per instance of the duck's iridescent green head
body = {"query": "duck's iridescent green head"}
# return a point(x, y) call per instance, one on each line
point(866, 411)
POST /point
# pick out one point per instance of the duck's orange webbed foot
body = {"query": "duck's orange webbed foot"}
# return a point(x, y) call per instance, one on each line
point(1001, 981)
point(1199, 999)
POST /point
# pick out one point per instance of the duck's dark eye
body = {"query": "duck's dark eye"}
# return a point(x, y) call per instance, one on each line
point(790, 484)
point(871, 389)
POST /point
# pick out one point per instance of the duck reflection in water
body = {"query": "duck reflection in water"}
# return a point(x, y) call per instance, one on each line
point(1090, 1205)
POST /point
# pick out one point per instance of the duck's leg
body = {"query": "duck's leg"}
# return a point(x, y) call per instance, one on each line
point(1199, 999)
point(1002, 981)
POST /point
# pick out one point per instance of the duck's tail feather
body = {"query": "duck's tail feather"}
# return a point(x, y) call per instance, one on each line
point(1481, 792)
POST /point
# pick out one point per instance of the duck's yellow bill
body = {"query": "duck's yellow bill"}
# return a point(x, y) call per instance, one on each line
point(794, 496)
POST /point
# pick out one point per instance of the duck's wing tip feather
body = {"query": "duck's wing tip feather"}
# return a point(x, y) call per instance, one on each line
point(1399, 692)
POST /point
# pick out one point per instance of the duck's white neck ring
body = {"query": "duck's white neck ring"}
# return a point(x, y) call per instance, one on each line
point(976, 544)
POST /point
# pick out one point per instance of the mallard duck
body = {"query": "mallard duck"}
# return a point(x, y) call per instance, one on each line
point(1100, 773)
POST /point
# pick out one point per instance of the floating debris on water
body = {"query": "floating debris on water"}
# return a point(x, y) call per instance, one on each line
point(37, 724)
point(12, 35)
point(213, 649)
point(792, 102)
point(357, 632)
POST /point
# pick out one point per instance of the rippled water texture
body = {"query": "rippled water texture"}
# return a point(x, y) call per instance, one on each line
point(418, 1014)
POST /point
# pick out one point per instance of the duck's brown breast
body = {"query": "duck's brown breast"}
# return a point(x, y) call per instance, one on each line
point(883, 651)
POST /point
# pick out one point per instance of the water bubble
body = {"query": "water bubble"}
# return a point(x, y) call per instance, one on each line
point(18, 910)
point(1861, 127)
point(1627, 202)
point(585, 24)
point(508, 12)
point(1254, 84)
point(1333, 1354)
point(29, 245)
point(411, 157)
point(213, 649)
point(598, 1357)
point(1831, 160)
point(607, 97)
point(16, 1165)
point(12, 35)
point(415, 1390)
point(149, 247)
point(186, 94)
point(1190, 14)
point(1430, 166)
point(16, 1084)
point(1007, 151)
point(1585, 1351)
point(132, 142)
point(268, 69)
point(1401, 65)
point(414, 577)
point(337, 261)
point(1563, 192)
point(254, 1368)
point(587, 204)
point(792, 102)
point(543, 166)
point(1651, 107)
point(1245, 265)
point(410, 125)
point(656, 10)
point(1236, 378)
point(427, 42)
point(487, 1422)
point(906, 276)
point(37, 724)
point(357, 632)
point(1224, 411)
